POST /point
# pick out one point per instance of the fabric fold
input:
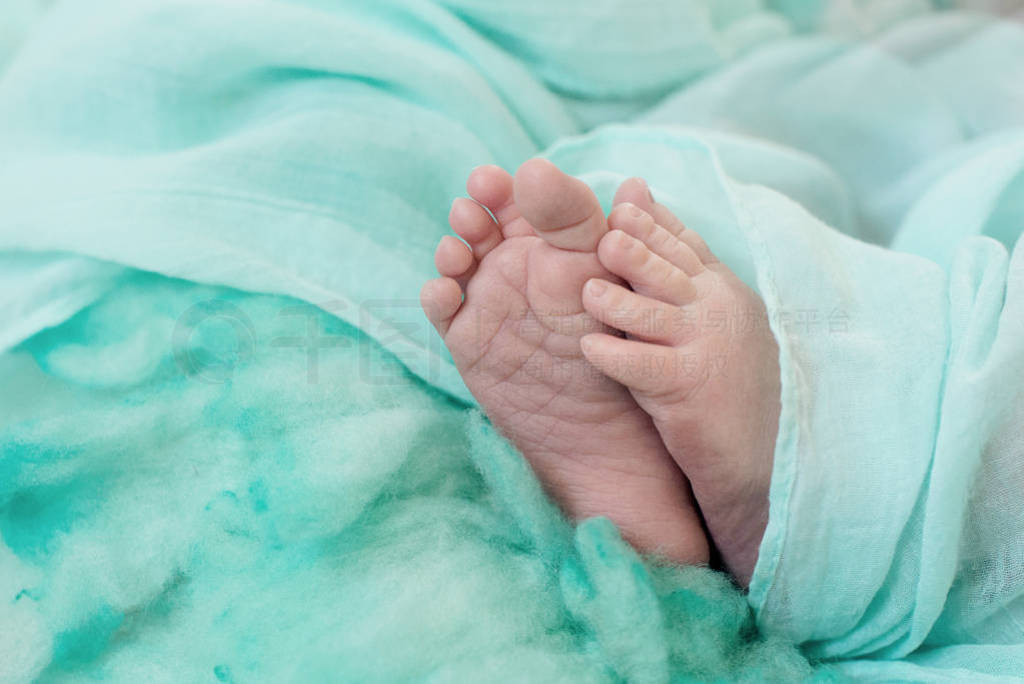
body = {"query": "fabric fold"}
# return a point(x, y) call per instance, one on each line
point(866, 183)
point(883, 464)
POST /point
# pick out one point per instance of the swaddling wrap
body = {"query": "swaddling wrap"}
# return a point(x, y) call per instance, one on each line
point(871, 188)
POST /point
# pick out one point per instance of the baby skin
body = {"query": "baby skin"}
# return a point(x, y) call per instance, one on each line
point(585, 340)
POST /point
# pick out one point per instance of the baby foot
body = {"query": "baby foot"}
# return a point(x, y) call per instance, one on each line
point(700, 359)
point(509, 308)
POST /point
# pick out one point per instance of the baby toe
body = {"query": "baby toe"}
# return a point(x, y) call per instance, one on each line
point(633, 220)
point(664, 217)
point(633, 191)
point(636, 191)
point(491, 186)
point(638, 316)
point(563, 210)
point(645, 271)
point(472, 223)
point(641, 366)
point(441, 299)
point(453, 257)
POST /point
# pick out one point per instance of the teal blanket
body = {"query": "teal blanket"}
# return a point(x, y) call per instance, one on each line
point(232, 449)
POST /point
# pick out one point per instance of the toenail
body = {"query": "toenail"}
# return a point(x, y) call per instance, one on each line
point(635, 211)
point(597, 287)
point(625, 241)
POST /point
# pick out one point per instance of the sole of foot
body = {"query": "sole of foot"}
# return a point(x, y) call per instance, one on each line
point(509, 307)
point(698, 357)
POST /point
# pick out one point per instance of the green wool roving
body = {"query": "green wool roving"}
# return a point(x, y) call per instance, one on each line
point(232, 449)
point(188, 504)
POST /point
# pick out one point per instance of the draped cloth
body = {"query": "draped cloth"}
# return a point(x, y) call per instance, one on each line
point(861, 165)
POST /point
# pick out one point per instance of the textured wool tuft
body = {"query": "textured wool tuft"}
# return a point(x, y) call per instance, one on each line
point(159, 526)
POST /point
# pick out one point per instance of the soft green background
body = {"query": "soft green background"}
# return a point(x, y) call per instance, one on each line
point(195, 194)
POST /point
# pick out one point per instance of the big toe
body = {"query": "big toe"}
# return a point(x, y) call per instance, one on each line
point(563, 210)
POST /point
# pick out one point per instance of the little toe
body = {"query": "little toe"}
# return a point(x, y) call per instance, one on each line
point(636, 191)
point(453, 257)
point(640, 317)
point(563, 210)
point(633, 220)
point(441, 299)
point(645, 271)
point(472, 223)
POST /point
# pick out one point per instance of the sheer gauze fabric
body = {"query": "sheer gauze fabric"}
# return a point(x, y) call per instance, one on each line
point(860, 164)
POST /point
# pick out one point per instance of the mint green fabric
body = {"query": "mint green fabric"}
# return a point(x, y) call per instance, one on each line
point(232, 449)
point(183, 501)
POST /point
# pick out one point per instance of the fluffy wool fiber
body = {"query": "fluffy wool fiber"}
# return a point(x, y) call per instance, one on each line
point(232, 449)
point(186, 495)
